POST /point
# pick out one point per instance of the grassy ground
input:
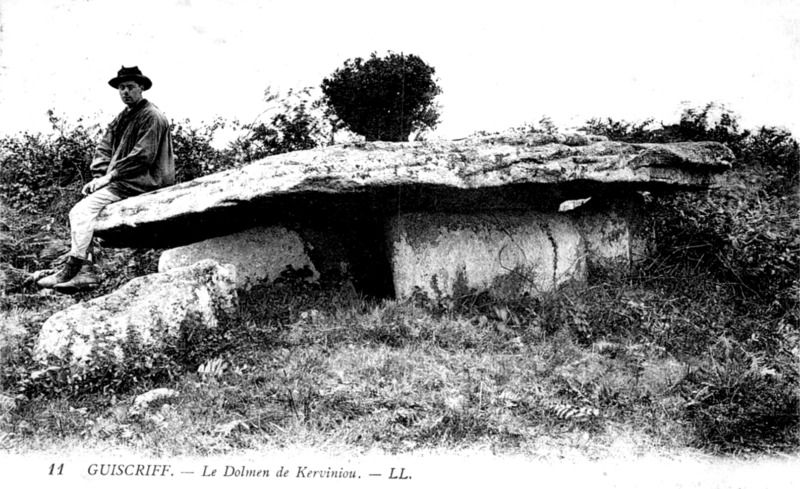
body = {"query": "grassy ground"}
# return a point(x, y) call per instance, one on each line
point(635, 365)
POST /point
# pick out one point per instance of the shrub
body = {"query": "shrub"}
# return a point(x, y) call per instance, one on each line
point(296, 122)
point(639, 132)
point(36, 169)
point(744, 230)
point(711, 122)
point(384, 99)
point(774, 148)
point(194, 154)
point(741, 232)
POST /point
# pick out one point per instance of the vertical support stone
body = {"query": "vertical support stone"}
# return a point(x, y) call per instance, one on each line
point(615, 233)
point(509, 253)
point(259, 254)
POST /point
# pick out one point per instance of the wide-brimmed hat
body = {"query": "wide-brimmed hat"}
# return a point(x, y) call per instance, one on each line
point(132, 73)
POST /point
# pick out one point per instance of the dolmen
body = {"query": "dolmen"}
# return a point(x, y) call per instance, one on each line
point(511, 214)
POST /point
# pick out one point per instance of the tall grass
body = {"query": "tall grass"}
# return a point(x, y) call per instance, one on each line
point(657, 363)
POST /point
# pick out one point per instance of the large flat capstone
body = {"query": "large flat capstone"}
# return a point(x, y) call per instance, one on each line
point(438, 216)
point(535, 172)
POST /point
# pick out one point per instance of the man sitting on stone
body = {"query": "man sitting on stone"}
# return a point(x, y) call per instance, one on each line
point(134, 157)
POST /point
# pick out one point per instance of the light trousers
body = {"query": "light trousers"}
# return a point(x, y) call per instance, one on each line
point(82, 218)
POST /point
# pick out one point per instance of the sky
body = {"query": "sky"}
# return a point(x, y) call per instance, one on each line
point(500, 63)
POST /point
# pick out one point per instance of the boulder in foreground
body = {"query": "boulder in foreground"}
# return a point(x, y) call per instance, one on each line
point(139, 323)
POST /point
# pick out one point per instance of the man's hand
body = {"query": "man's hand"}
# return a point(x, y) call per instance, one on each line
point(96, 184)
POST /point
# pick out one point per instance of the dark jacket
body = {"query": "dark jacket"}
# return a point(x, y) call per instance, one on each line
point(136, 151)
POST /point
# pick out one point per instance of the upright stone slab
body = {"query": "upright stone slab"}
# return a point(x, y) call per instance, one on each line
point(615, 234)
point(260, 254)
point(508, 253)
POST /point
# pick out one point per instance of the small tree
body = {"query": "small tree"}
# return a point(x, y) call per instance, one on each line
point(384, 99)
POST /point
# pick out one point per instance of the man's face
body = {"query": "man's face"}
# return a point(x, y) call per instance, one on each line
point(130, 92)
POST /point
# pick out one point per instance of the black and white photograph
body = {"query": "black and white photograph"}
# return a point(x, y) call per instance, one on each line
point(400, 244)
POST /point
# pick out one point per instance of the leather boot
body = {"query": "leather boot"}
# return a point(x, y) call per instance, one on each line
point(69, 269)
point(86, 279)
